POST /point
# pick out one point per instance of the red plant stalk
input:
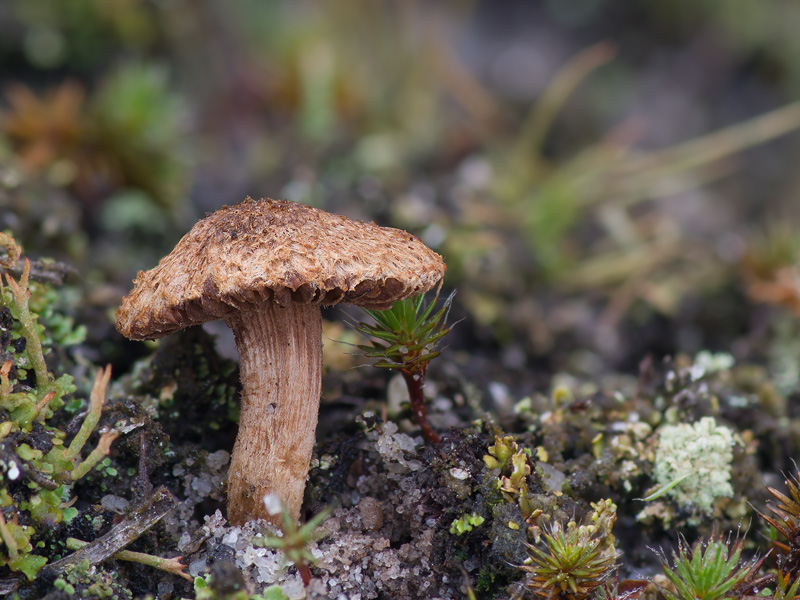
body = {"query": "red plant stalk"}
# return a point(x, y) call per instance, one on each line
point(415, 381)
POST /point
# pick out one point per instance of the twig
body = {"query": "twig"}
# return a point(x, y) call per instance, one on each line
point(51, 273)
point(9, 586)
point(170, 565)
point(27, 470)
point(138, 521)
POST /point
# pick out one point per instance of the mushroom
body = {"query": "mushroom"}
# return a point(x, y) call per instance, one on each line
point(265, 267)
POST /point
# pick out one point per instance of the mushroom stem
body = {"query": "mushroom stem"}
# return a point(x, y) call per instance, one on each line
point(280, 356)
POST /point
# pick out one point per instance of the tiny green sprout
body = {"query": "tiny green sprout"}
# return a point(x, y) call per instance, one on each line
point(465, 523)
point(294, 540)
point(204, 589)
point(500, 452)
point(571, 562)
point(69, 513)
point(200, 583)
point(562, 397)
point(273, 592)
point(468, 589)
point(710, 570)
point(64, 586)
point(513, 465)
point(405, 337)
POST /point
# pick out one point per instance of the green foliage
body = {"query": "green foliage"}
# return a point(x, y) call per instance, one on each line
point(273, 592)
point(570, 562)
point(513, 467)
point(405, 338)
point(708, 571)
point(81, 34)
point(138, 120)
point(406, 335)
point(58, 330)
point(638, 256)
point(328, 87)
point(465, 523)
point(124, 139)
point(294, 540)
point(91, 582)
point(204, 591)
point(31, 450)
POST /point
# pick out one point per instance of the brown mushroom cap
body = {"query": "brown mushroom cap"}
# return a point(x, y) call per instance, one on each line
point(277, 251)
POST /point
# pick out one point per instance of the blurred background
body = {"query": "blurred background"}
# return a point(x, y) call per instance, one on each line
point(605, 179)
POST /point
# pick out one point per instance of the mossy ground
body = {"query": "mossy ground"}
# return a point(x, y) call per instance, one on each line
point(413, 519)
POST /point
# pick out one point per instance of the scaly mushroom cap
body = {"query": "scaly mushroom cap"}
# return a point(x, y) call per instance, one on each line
point(278, 251)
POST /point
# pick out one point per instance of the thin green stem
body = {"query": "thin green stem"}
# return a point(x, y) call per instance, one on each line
point(27, 322)
point(103, 449)
point(170, 565)
point(8, 539)
point(96, 401)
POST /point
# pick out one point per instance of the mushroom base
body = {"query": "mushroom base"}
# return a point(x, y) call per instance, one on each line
point(280, 354)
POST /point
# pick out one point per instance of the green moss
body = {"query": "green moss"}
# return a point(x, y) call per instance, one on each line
point(90, 582)
point(204, 590)
point(573, 560)
point(710, 570)
point(31, 395)
point(485, 580)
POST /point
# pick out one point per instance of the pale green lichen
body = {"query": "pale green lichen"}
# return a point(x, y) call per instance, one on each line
point(699, 457)
point(706, 363)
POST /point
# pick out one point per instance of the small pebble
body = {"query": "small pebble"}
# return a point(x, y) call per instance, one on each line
point(115, 504)
point(371, 513)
